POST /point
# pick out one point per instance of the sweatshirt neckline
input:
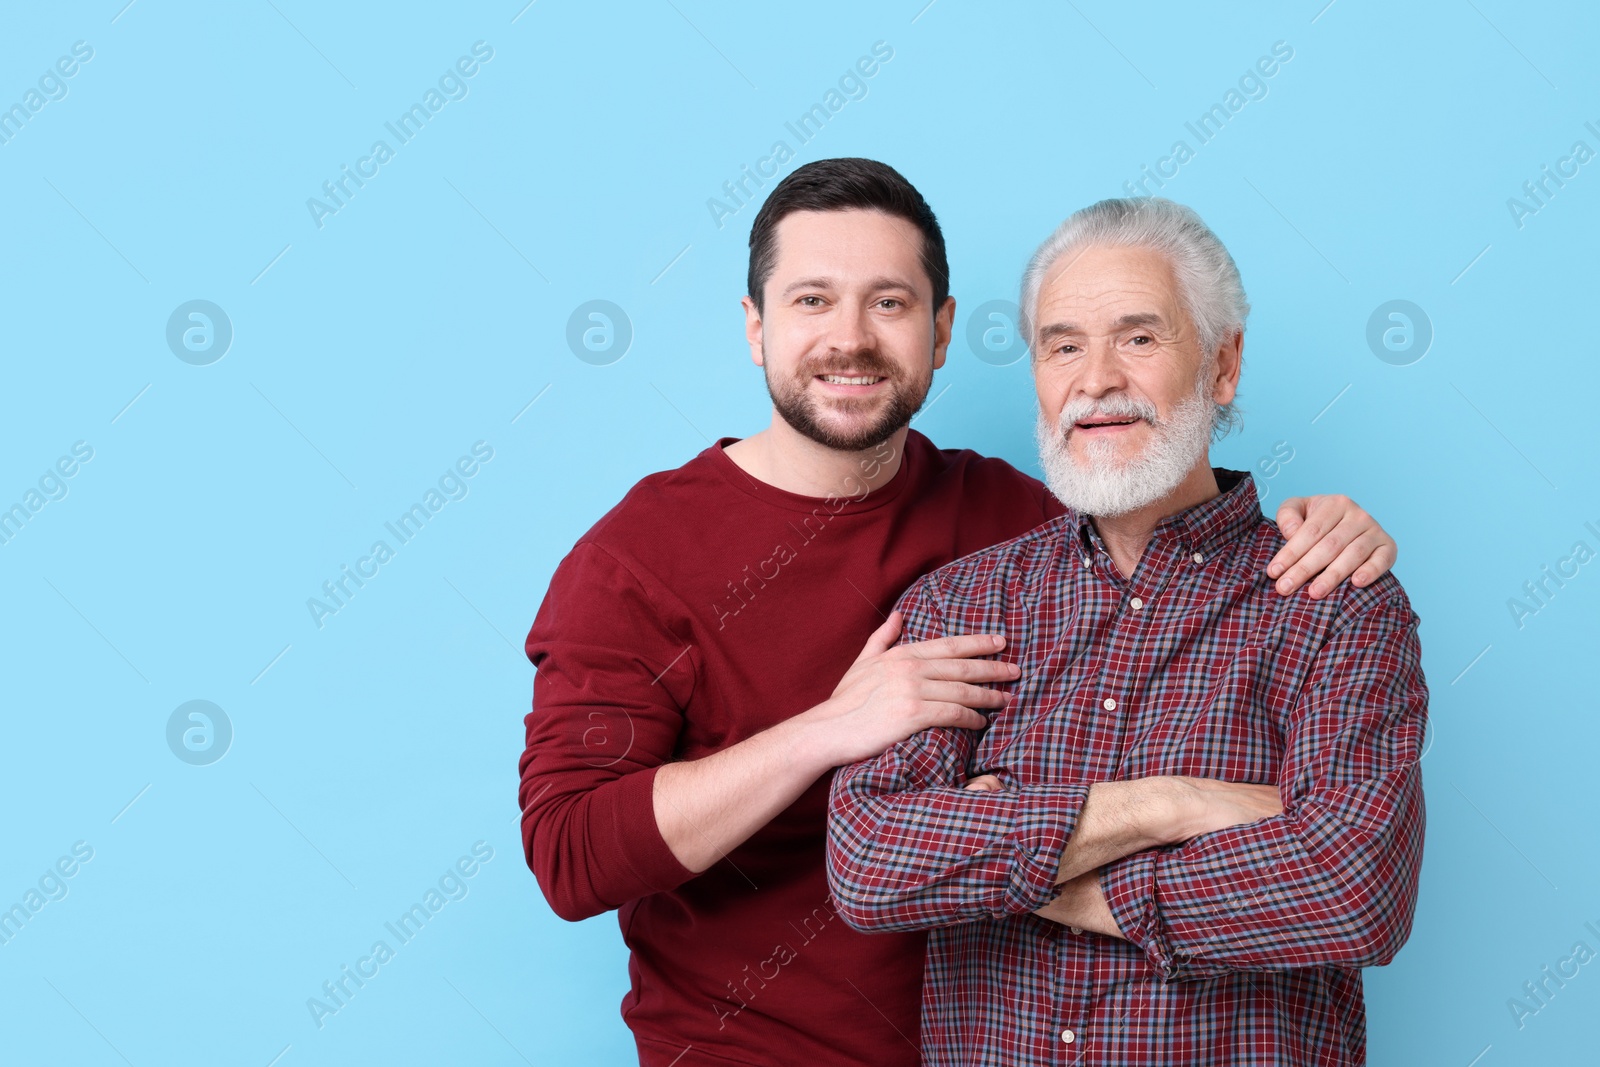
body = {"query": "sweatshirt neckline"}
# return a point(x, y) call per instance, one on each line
point(845, 501)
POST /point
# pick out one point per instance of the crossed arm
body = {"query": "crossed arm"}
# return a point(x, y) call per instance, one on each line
point(1330, 879)
point(1122, 818)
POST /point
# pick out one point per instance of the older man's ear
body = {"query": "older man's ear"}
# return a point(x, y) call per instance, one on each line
point(1230, 362)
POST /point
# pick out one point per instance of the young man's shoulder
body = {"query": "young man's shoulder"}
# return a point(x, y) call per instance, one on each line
point(986, 471)
point(663, 500)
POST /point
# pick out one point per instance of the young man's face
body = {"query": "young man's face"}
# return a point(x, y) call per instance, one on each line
point(849, 339)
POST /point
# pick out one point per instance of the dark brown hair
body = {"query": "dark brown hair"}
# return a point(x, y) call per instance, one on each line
point(841, 185)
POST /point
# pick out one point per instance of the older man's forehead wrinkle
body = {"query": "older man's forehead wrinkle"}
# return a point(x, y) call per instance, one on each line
point(1078, 311)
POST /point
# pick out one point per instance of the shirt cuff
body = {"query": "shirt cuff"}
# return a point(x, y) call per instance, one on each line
point(1129, 887)
point(1044, 826)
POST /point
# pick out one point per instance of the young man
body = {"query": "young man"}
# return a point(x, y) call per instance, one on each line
point(1088, 899)
point(718, 643)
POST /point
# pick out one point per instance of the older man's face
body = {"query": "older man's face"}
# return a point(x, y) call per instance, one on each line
point(1126, 395)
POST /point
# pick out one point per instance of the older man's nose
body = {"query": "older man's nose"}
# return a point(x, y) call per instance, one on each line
point(1103, 370)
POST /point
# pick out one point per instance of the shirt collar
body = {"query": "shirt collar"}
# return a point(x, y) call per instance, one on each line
point(1226, 516)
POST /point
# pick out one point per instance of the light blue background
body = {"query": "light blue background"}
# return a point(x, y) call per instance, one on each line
point(368, 354)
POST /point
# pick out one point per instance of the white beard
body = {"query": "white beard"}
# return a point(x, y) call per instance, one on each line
point(1106, 485)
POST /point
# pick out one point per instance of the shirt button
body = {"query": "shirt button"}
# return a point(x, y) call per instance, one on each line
point(1086, 561)
point(1110, 705)
point(1076, 929)
point(1137, 604)
point(1199, 557)
point(1068, 1036)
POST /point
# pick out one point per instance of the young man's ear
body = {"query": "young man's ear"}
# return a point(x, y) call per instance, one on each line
point(752, 331)
point(943, 324)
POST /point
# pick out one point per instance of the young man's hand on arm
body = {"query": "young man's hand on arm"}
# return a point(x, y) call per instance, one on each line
point(706, 807)
point(610, 816)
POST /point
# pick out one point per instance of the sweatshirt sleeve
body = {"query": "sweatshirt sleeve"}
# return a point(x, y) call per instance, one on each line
point(613, 676)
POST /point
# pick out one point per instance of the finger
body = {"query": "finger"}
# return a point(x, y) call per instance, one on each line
point(972, 696)
point(1291, 513)
point(1343, 566)
point(1364, 522)
point(970, 670)
point(1306, 533)
point(983, 783)
point(1316, 560)
point(958, 647)
point(1377, 565)
point(1317, 556)
point(1322, 514)
point(954, 715)
point(883, 637)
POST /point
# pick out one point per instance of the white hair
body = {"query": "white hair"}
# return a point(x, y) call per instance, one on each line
point(1207, 278)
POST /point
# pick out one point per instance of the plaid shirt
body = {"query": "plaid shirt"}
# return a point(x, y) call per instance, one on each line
point(1243, 945)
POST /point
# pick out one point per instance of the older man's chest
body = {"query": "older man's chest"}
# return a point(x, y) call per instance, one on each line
point(1191, 682)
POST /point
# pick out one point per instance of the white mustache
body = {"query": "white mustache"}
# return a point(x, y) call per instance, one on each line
point(1118, 407)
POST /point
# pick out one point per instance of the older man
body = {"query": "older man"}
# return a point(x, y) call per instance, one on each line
point(1200, 814)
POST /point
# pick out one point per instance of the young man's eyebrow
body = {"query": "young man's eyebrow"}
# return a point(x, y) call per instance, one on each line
point(807, 283)
point(886, 282)
point(874, 285)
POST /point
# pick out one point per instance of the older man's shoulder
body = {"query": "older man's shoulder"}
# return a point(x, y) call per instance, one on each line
point(1345, 602)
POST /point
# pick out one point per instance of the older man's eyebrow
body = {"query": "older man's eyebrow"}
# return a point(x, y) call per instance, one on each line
point(1058, 329)
point(1137, 318)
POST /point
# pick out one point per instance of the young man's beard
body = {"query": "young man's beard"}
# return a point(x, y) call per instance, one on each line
point(1106, 485)
point(800, 409)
